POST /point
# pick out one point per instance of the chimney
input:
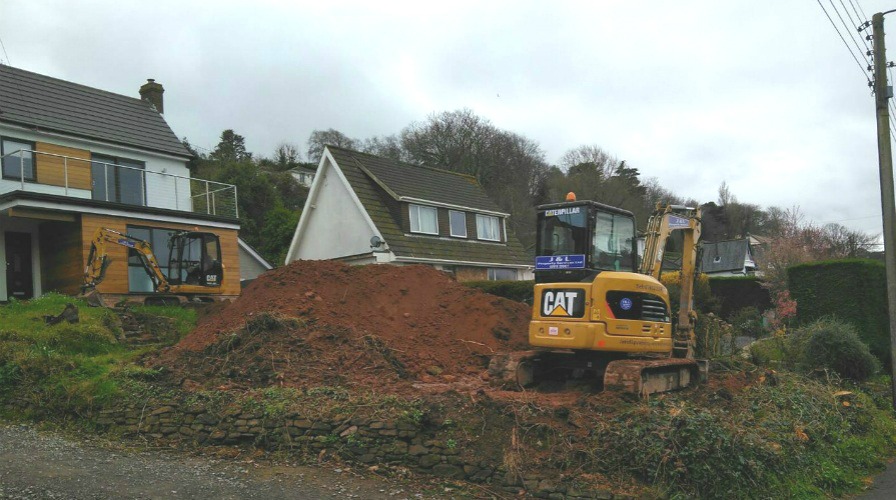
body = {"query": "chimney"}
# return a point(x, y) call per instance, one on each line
point(152, 92)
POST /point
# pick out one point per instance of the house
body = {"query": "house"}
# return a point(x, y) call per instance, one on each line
point(252, 264)
point(728, 258)
point(303, 175)
point(75, 159)
point(363, 209)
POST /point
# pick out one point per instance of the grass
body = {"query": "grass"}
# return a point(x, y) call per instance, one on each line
point(71, 367)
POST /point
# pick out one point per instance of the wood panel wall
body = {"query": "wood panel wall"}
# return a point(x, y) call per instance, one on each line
point(51, 169)
point(467, 273)
point(60, 244)
point(116, 281)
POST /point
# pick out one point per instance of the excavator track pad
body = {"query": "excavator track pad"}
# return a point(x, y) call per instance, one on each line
point(645, 377)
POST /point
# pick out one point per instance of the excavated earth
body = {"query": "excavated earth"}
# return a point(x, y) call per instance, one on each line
point(314, 323)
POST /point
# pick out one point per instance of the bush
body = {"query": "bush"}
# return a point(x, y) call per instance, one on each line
point(853, 291)
point(520, 291)
point(748, 322)
point(735, 293)
point(836, 346)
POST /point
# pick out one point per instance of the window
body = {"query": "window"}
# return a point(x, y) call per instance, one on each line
point(458, 223)
point(138, 279)
point(18, 160)
point(424, 219)
point(499, 274)
point(118, 179)
point(487, 228)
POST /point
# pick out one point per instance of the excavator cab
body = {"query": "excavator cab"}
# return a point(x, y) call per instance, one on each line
point(195, 259)
point(577, 240)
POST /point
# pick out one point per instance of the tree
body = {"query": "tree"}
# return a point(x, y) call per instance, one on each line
point(286, 156)
point(332, 137)
point(192, 163)
point(232, 147)
point(388, 146)
point(277, 231)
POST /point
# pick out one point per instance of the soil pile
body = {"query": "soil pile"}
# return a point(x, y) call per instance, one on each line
point(315, 323)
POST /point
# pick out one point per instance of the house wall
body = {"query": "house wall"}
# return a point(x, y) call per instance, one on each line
point(336, 226)
point(161, 191)
point(250, 268)
point(463, 273)
point(116, 281)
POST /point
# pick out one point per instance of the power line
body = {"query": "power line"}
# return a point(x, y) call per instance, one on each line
point(859, 64)
point(847, 27)
point(8, 62)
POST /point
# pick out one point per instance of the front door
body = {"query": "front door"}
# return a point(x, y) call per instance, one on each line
point(19, 283)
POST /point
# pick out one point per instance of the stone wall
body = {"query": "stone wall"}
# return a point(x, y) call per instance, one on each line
point(363, 440)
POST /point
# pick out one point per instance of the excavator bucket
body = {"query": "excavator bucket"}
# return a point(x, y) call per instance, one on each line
point(93, 298)
point(645, 377)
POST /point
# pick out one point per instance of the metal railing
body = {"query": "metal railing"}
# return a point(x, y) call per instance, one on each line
point(51, 173)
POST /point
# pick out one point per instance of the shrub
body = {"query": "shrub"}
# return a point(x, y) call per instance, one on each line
point(748, 322)
point(836, 346)
point(520, 291)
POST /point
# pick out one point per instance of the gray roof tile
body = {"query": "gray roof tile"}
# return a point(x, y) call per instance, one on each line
point(724, 256)
point(51, 104)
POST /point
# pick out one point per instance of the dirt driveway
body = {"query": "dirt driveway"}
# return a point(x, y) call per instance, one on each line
point(47, 465)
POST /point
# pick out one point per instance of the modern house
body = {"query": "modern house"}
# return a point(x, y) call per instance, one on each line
point(728, 258)
point(364, 209)
point(75, 159)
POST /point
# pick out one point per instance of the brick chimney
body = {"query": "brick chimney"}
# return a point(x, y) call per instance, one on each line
point(152, 92)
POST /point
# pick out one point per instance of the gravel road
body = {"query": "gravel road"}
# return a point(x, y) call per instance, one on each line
point(48, 465)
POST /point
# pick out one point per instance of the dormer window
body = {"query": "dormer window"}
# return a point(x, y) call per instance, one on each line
point(424, 219)
point(458, 222)
point(487, 228)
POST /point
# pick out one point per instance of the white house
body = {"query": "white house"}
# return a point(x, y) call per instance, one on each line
point(365, 209)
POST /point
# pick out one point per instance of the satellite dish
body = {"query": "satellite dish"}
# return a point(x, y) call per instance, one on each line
point(376, 241)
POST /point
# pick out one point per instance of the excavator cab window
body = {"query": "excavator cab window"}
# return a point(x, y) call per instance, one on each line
point(195, 259)
point(563, 233)
point(612, 242)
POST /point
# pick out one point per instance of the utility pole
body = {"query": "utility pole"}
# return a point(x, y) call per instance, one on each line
point(885, 160)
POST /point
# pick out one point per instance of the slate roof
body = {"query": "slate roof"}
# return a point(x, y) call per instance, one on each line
point(50, 104)
point(363, 171)
point(730, 254)
point(406, 180)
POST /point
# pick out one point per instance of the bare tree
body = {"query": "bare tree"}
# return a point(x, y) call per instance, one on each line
point(332, 137)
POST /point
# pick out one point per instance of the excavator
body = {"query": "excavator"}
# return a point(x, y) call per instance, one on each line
point(597, 310)
point(194, 268)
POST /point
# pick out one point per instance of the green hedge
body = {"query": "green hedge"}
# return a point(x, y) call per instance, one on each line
point(521, 291)
point(854, 291)
point(737, 292)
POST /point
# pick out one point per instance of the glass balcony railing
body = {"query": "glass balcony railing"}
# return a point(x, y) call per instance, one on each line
point(124, 182)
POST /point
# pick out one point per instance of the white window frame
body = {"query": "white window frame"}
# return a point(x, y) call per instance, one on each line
point(415, 212)
point(493, 273)
point(451, 230)
point(481, 220)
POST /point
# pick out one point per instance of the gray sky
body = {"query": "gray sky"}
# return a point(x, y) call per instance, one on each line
point(762, 95)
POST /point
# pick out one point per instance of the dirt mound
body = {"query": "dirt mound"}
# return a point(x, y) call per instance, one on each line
point(317, 323)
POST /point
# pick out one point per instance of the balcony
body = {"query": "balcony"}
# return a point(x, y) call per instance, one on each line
point(49, 173)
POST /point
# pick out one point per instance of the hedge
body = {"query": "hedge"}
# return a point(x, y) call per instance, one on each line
point(738, 292)
point(521, 291)
point(853, 290)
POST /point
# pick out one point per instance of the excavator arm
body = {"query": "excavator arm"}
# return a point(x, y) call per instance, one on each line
point(662, 223)
point(98, 260)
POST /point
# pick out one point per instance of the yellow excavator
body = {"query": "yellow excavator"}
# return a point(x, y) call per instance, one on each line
point(596, 309)
point(194, 268)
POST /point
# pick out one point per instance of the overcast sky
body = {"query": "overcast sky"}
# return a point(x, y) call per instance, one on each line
point(762, 95)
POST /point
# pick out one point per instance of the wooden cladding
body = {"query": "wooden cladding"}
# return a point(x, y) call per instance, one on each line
point(52, 169)
point(116, 281)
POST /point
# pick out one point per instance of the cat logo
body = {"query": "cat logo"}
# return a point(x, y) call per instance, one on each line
point(569, 303)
